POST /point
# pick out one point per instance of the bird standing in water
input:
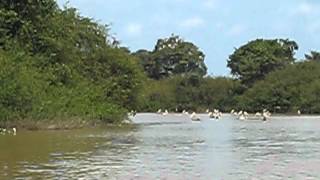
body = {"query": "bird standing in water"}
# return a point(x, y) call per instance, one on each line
point(14, 130)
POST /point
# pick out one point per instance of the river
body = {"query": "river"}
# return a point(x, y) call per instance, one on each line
point(169, 147)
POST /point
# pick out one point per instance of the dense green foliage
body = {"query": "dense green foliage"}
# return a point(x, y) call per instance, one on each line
point(56, 64)
point(191, 92)
point(297, 87)
point(256, 59)
point(172, 56)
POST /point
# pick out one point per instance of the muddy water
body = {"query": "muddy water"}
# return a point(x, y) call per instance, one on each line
point(169, 147)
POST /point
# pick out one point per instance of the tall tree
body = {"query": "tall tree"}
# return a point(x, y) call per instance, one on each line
point(257, 58)
point(173, 56)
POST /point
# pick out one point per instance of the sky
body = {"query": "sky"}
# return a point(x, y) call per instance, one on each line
point(217, 27)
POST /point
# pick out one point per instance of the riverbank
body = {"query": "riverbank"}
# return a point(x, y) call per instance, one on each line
point(78, 123)
point(70, 124)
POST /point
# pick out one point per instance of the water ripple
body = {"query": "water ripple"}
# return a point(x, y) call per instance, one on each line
point(282, 149)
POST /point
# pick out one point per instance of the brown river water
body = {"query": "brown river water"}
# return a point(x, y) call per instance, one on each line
point(169, 147)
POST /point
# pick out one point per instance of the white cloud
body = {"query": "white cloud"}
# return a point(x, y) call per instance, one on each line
point(236, 30)
point(210, 4)
point(306, 8)
point(193, 22)
point(134, 29)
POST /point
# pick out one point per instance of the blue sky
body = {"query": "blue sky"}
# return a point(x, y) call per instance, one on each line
point(215, 26)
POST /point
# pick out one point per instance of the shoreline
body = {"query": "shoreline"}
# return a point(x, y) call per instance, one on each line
point(252, 114)
point(57, 125)
point(77, 124)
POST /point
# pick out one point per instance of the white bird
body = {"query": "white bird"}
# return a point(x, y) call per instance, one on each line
point(132, 113)
point(3, 131)
point(194, 117)
point(216, 114)
point(14, 130)
point(185, 112)
point(159, 111)
point(299, 112)
point(165, 113)
point(242, 117)
point(265, 115)
point(266, 112)
point(246, 115)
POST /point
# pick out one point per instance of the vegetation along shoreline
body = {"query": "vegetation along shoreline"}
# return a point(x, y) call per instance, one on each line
point(61, 70)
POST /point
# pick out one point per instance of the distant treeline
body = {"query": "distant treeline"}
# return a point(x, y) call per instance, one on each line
point(58, 65)
point(265, 75)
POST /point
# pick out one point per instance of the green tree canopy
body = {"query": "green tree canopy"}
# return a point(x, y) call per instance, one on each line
point(289, 89)
point(189, 92)
point(172, 56)
point(313, 56)
point(23, 22)
point(257, 58)
point(57, 64)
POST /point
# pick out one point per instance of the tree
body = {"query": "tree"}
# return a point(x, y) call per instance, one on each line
point(57, 64)
point(172, 56)
point(145, 61)
point(218, 92)
point(295, 87)
point(314, 56)
point(256, 59)
point(22, 22)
